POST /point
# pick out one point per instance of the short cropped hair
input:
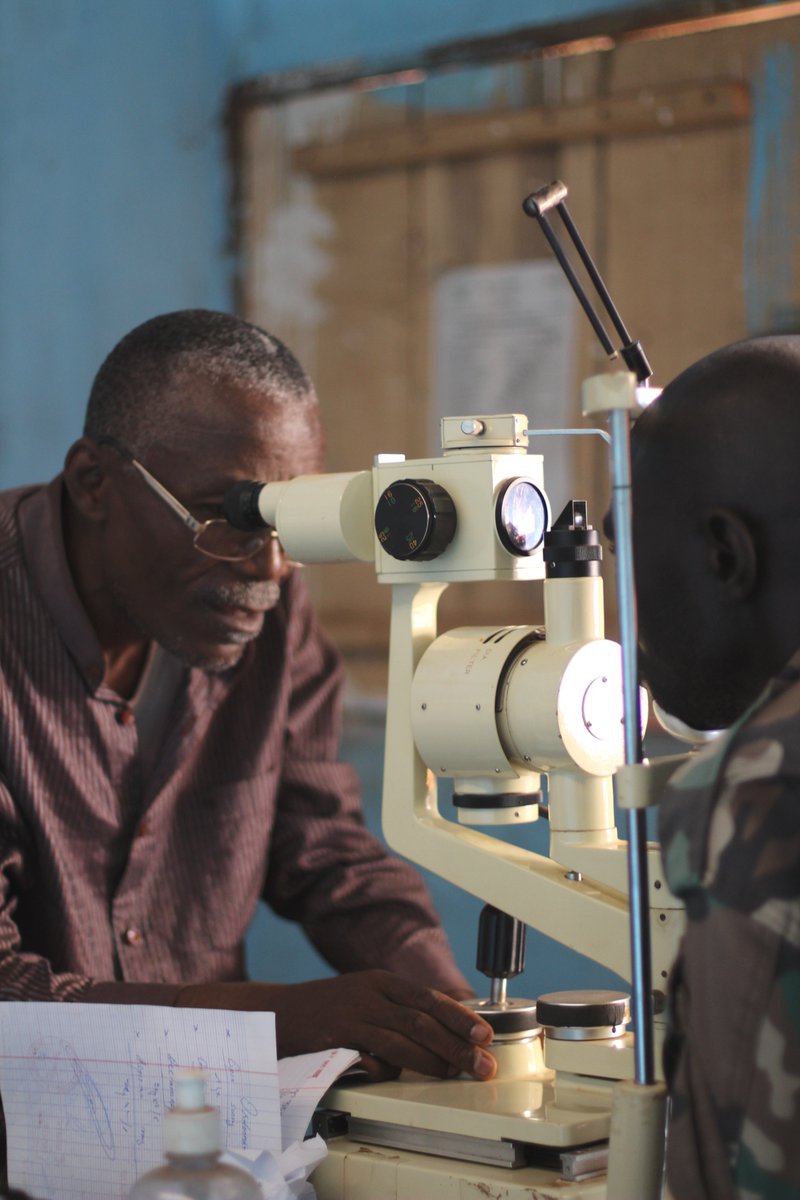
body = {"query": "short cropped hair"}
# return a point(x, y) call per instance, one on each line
point(131, 393)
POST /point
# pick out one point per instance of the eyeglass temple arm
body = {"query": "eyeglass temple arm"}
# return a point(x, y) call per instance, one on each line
point(168, 497)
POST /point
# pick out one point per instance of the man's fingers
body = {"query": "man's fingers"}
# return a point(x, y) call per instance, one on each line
point(377, 1069)
point(460, 1019)
point(416, 1056)
point(389, 1019)
point(454, 1016)
point(427, 1030)
point(439, 1034)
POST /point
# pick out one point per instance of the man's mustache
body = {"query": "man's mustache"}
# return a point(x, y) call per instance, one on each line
point(258, 595)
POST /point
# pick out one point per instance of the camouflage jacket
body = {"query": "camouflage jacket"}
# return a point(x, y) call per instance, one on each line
point(730, 833)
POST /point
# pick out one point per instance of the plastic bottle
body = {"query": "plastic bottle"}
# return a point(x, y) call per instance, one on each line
point(192, 1147)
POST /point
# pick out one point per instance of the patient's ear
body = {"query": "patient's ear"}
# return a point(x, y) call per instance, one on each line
point(731, 554)
point(86, 479)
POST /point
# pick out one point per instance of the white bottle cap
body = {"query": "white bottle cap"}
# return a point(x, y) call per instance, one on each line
point(191, 1127)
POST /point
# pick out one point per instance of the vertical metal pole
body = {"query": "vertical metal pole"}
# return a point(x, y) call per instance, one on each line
point(622, 513)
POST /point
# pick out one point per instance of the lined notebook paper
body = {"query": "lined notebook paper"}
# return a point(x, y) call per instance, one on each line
point(304, 1080)
point(85, 1089)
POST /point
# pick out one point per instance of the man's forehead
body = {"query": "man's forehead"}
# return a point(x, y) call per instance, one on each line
point(222, 392)
point(235, 430)
point(269, 451)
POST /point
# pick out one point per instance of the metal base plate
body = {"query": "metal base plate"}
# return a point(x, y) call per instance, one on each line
point(542, 1113)
point(357, 1172)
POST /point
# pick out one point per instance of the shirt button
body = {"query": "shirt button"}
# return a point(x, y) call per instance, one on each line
point(125, 716)
point(133, 936)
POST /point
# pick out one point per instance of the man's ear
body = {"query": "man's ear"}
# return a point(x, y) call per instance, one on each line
point(732, 554)
point(86, 479)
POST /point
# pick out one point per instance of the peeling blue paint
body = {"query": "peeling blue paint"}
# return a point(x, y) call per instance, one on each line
point(772, 239)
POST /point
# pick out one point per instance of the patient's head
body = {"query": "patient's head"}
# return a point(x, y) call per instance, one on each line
point(716, 479)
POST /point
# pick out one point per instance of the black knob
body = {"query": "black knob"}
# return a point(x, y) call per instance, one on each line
point(572, 547)
point(501, 944)
point(415, 519)
point(587, 1009)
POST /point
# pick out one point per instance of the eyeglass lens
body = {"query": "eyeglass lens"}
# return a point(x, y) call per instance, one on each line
point(220, 540)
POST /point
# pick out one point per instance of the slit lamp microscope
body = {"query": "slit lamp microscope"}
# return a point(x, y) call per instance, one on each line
point(576, 1109)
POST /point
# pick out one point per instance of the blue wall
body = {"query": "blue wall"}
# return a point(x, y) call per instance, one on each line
point(112, 198)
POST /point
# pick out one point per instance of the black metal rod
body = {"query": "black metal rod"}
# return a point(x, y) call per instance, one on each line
point(537, 205)
point(593, 273)
point(575, 284)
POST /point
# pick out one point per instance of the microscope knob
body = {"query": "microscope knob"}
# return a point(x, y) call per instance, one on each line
point(415, 519)
point(584, 1015)
point(501, 944)
point(572, 547)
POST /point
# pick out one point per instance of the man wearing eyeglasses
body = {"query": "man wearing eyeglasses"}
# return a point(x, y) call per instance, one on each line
point(169, 723)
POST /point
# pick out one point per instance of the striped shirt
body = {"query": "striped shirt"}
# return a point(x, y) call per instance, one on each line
point(145, 868)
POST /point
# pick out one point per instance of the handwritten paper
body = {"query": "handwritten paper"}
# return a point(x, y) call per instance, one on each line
point(304, 1079)
point(85, 1089)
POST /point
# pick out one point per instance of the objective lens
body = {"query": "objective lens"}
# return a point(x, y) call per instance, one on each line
point(521, 516)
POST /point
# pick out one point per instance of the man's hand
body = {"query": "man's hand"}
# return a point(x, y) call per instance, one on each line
point(393, 1022)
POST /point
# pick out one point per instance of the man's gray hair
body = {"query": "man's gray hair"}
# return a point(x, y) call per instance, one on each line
point(133, 396)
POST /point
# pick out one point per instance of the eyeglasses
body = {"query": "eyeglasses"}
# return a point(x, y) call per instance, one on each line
point(216, 538)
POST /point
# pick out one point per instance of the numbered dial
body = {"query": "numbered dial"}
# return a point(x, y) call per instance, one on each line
point(415, 519)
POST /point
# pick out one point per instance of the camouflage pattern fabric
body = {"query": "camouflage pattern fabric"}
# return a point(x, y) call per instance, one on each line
point(730, 834)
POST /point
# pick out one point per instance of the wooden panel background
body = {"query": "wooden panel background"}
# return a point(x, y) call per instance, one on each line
point(341, 253)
